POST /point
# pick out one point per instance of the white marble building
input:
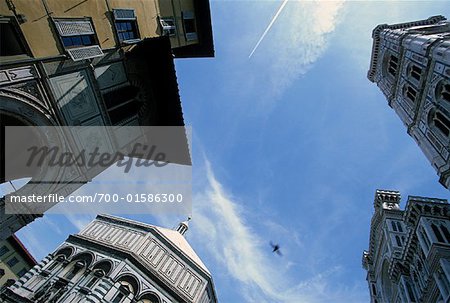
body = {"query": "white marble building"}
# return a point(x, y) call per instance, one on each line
point(118, 260)
point(409, 250)
point(410, 63)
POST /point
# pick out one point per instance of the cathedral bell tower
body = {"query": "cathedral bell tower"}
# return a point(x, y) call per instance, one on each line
point(410, 63)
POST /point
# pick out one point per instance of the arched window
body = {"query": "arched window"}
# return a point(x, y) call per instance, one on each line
point(80, 263)
point(442, 91)
point(127, 285)
point(446, 92)
point(97, 275)
point(441, 122)
point(393, 65)
point(410, 93)
point(77, 267)
point(415, 72)
point(59, 256)
point(437, 233)
point(65, 251)
point(104, 266)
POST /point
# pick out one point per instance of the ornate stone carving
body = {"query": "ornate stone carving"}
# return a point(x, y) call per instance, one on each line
point(75, 96)
point(8, 76)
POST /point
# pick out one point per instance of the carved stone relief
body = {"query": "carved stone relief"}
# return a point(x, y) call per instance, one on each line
point(75, 97)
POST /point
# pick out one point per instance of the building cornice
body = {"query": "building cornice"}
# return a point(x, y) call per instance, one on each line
point(421, 206)
point(376, 39)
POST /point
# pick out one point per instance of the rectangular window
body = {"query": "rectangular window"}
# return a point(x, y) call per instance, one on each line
point(3, 250)
point(22, 272)
point(77, 41)
point(121, 104)
point(398, 241)
point(425, 241)
point(126, 30)
point(13, 261)
point(399, 226)
point(190, 28)
point(394, 226)
point(78, 38)
point(126, 25)
point(10, 42)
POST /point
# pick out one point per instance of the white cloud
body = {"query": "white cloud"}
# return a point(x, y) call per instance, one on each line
point(220, 226)
point(296, 41)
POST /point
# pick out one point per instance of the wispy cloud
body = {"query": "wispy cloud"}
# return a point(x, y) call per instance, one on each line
point(300, 39)
point(220, 225)
point(290, 46)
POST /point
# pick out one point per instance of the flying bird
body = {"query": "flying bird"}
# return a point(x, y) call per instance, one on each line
point(276, 248)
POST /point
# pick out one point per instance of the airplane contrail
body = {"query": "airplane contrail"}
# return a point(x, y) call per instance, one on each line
point(269, 26)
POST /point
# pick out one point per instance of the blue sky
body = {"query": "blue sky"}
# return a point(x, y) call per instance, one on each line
point(288, 146)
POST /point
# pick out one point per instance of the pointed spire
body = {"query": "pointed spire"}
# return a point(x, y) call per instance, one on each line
point(183, 226)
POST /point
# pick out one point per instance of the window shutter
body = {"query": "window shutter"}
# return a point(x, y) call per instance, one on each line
point(188, 18)
point(87, 52)
point(124, 14)
point(72, 28)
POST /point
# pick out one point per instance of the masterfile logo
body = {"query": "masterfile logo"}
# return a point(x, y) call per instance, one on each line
point(68, 160)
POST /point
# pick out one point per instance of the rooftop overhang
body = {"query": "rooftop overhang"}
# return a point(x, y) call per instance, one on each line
point(21, 250)
point(151, 62)
point(150, 65)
